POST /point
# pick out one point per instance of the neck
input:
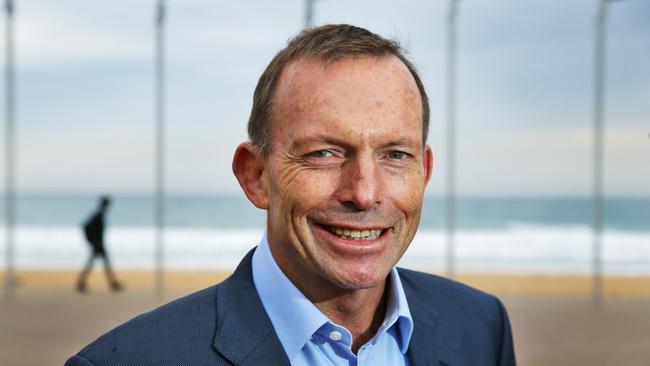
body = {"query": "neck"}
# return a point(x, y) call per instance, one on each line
point(359, 311)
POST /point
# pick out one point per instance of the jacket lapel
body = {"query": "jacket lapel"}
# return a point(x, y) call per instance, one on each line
point(244, 333)
point(431, 343)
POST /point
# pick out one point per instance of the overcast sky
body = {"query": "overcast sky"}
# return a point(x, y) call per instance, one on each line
point(525, 87)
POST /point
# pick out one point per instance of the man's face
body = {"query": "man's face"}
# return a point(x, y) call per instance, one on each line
point(347, 170)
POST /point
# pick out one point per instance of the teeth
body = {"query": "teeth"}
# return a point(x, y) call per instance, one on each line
point(355, 234)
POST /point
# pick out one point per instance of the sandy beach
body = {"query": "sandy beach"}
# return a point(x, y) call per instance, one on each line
point(554, 321)
point(622, 287)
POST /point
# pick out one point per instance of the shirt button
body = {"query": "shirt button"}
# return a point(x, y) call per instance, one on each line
point(335, 335)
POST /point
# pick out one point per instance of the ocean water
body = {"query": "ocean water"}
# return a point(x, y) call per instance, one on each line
point(521, 235)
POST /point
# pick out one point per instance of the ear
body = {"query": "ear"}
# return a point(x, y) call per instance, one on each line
point(428, 163)
point(249, 168)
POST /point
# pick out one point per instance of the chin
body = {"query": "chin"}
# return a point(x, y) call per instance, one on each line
point(359, 280)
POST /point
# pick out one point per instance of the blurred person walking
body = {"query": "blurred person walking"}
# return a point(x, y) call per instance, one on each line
point(93, 229)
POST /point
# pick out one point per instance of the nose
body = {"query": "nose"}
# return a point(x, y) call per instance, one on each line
point(360, 182)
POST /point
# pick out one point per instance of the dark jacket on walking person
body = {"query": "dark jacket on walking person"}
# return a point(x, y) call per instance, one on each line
point(94, 229)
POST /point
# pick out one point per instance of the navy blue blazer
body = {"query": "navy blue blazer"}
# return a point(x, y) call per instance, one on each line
point(226, 324)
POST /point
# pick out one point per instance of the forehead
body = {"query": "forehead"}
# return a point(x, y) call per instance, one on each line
point(354, 93)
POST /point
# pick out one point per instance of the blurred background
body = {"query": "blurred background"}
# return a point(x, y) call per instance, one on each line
point(540, 128)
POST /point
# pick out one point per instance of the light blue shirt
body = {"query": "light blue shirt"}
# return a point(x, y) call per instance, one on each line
point(309, 338)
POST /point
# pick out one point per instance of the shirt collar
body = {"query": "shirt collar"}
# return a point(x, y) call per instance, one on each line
point(284, 303)
point(397, 311)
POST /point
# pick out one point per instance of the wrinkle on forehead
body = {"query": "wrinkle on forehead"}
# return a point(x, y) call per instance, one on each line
point(309, 86)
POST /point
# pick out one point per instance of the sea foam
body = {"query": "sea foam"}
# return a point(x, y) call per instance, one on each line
point(519, 248)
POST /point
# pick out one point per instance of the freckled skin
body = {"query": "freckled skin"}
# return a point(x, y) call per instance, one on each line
point(346, 151)
point(365, 103)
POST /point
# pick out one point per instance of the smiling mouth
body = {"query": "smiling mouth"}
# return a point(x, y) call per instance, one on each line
point(351, 234)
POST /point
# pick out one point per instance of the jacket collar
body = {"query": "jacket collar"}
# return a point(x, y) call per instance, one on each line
point(244, 333)
point(432, 342)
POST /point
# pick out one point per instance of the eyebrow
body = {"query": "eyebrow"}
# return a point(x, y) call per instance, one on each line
point(318, 139)
point(402, 142)
point(339, 142)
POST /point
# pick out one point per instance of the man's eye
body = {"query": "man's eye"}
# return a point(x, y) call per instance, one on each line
point(397, 155)
point(321, 154)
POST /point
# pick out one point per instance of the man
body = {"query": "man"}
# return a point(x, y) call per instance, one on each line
point(94, 232)
point(338, 160)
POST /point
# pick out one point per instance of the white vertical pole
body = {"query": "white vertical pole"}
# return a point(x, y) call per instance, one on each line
point(10, 116)
point(160, 147)
point(598, 147)
point(309, 13)
point(451, 138)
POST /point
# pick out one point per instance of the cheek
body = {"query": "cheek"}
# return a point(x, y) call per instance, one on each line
point(302, 189)
point(406, 191)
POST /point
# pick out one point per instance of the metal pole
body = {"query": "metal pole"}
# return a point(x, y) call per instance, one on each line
point(160, 147)
point(598, 147)
point(451, 137)
point(10, 116)
point(309, 13)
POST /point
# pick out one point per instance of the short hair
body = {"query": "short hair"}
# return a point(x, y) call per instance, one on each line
point(327, 43)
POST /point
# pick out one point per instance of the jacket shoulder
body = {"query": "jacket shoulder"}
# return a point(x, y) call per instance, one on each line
point(155, 337)
point(474, 324)
point(437, 287)
point(459, 306)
